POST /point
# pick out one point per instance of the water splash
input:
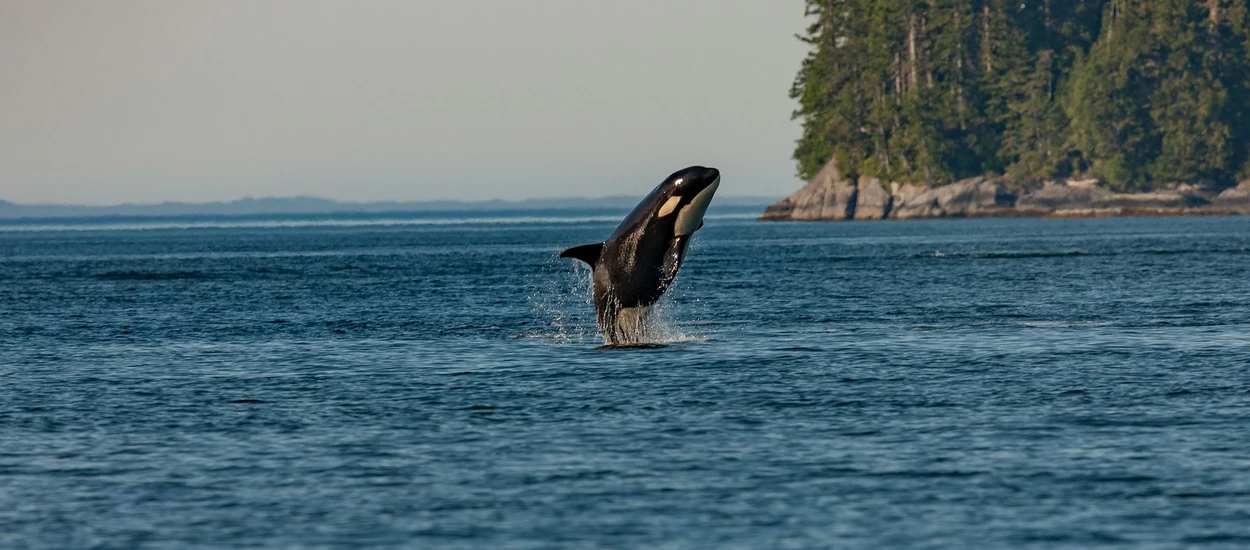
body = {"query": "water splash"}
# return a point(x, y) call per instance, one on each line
point(665, 324)
point(674, 317)
point(561, 298)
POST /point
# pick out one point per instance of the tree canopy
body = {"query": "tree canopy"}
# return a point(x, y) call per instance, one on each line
point(1136, 93)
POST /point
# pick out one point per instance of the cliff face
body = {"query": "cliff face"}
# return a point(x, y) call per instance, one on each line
point(827, 196)
point(831, 197)
point(1237, 198)
point(980, 196)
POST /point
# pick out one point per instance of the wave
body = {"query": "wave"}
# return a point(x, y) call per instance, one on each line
point(1000, 255)
point(1011, 255)
point(150, 275)
point(1064, 324)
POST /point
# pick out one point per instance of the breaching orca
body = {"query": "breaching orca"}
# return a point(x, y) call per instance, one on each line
point(639, 261)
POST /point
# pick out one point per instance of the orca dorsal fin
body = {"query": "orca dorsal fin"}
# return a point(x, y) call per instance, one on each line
point(588, 253)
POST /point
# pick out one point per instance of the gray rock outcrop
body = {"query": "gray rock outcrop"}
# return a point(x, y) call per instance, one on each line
point(1056, 197)
point(827, 196)
point(1091, 200)
point(872, 201)
point(1235, 200)
point(979, 196)
point(830, 196)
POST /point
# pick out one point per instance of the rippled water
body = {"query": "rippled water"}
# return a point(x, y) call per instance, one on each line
point(944, 384)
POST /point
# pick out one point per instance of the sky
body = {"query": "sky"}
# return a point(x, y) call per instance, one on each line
point(105, 102)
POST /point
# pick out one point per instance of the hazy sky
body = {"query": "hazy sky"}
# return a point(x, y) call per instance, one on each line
point(103, 102)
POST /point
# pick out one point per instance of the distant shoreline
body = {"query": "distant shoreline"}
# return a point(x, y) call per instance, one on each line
point(312, 206)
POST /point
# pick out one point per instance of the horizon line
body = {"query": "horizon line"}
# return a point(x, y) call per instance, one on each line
point(250, 198)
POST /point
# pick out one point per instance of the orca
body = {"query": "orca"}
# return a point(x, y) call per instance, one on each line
point(639, 261)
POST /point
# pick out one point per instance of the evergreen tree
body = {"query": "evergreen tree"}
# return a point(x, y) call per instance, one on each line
point(1033, 138)
point(1230, 34)
point(1108, 102)
point(834, 101)
point(1135, 92)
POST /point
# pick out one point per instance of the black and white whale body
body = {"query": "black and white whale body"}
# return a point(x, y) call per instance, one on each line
point(638, 262)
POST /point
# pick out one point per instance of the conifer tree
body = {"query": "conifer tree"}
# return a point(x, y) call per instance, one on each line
point(1138, 93)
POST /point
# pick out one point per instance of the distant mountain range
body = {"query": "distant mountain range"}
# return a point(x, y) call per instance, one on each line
point(315, 205)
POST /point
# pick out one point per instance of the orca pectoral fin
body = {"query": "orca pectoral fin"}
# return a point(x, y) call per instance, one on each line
point(588, 253)
point(673, 257)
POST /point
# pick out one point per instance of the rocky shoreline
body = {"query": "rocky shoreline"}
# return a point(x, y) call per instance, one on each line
point(831, 197)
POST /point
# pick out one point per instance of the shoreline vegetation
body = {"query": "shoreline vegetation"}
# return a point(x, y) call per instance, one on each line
point(1060, 108)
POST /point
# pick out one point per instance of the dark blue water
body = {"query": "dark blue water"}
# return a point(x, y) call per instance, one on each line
point(420, 384)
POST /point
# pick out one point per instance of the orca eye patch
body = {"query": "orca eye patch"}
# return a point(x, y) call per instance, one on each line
point(679, 181)
point(670, 205)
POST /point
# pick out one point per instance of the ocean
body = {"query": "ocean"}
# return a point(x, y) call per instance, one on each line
point(437, 382)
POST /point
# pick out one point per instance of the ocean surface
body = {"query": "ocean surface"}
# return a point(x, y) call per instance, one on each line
point(430, 382)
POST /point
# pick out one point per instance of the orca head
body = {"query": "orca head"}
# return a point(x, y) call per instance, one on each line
point(683, 197)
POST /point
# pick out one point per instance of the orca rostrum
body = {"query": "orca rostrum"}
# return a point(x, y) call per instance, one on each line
point(639, 261)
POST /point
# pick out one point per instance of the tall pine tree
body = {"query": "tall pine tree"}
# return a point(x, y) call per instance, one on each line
point(1135, 92)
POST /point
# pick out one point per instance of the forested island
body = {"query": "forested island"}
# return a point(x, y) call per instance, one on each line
point(996, 107)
